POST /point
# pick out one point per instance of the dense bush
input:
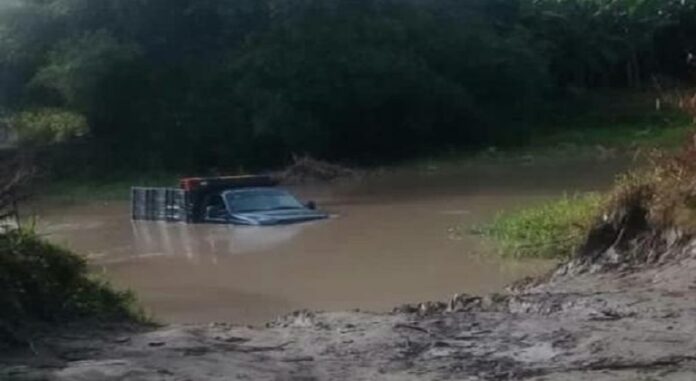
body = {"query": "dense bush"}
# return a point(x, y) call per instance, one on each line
point(46, 126)
point(40, 282)
point(191, 84)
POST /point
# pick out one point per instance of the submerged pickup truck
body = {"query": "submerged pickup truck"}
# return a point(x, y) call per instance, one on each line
point(238, 200)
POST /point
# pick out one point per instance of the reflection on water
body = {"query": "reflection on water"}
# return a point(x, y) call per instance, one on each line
point(205, 242)
point(399, 237)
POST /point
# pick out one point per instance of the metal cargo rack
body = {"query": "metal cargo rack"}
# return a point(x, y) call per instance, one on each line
point(160, 204)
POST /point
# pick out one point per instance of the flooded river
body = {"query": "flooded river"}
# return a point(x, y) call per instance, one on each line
point(395, 237)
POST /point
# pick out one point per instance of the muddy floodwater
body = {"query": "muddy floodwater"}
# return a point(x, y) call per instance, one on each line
point(395, 237)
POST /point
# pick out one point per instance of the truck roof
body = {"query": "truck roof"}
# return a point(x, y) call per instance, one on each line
point(226, 182)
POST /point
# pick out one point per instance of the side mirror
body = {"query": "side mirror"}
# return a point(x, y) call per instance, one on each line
point(311, 205)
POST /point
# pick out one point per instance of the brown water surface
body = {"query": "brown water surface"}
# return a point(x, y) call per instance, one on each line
point(395, 237)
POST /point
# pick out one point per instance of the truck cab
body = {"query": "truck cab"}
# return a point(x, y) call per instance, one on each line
point(258, 206)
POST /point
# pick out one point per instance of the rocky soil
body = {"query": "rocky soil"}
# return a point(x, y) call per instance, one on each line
point(586, 322)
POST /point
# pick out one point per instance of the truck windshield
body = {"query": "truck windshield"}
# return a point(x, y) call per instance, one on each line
point(260, 200)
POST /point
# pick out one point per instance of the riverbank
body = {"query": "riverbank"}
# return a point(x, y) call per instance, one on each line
point(621, 309)
point(591, 320)
point(610, 127)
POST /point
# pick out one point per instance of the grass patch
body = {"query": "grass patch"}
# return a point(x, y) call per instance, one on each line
point(582, 139)
point(666, 131)
point(661, 197)
point(550, 230)
point(41, 283)
point(103, 188)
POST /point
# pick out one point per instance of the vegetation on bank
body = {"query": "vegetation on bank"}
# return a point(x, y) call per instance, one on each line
point(550, 230)
point(43, 284)
point(607, 125)
point(600, 143)
point(112, 187)
point(659, 197)
point(192, 85)
point(611, 125)
point(303, 170)
point(617, 120)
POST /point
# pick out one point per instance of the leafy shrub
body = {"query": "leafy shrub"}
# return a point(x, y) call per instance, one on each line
point(47, 125)
point(41, 282)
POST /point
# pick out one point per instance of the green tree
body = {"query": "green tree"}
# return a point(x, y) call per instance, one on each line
point(193, 84)
point(75, 67)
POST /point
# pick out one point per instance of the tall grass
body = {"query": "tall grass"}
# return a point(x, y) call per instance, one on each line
point(550, 230)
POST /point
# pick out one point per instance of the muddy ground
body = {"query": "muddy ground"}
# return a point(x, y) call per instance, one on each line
point(609, 324)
